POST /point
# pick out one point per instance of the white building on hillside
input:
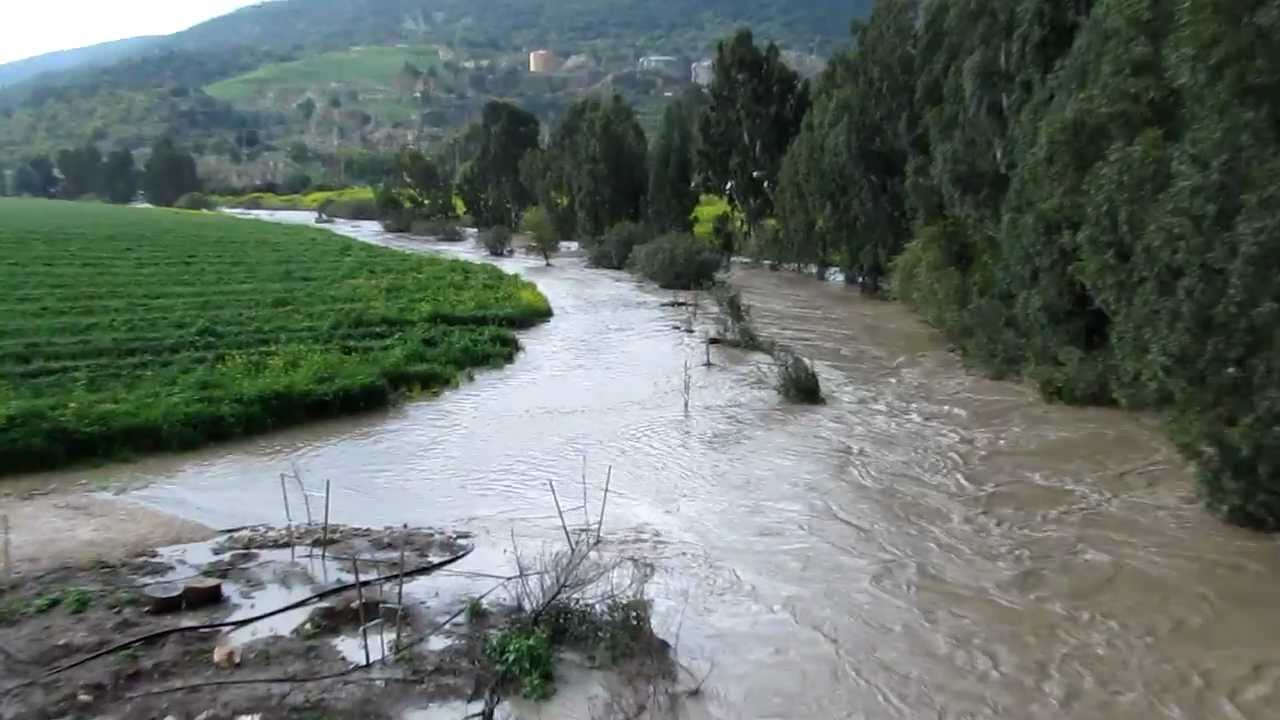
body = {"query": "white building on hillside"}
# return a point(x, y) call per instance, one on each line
point(702, 72)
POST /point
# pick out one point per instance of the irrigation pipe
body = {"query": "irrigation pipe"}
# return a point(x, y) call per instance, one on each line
point(431, 567)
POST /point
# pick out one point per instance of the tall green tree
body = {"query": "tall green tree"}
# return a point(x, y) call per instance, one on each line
point(415, 188)
point(119, 177)
point(491, 185)
point(672, 195)
point(843, 187)
point(756, 106)
point(170, 173)
point(36, 177)
point(593, 174)
point(81, 170)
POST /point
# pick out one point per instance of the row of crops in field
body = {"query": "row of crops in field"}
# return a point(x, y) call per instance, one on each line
point(125, 330)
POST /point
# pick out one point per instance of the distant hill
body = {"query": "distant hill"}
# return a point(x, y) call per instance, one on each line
point(94, 55)
point(668, 26)
point(333, 76)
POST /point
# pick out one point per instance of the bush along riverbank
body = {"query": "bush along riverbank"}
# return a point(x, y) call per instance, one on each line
point(349, 203)
point(134, 330)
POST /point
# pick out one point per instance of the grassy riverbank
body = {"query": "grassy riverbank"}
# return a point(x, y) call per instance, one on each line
point(126, 330)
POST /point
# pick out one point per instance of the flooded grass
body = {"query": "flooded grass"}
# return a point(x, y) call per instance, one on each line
point(126, 330)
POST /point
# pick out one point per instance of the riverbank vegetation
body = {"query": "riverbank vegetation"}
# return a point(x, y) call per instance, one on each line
point(1080, 193)
point(132, 330)
point(356, 203)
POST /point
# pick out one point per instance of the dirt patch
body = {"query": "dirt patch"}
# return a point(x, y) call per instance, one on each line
point(52, 527)
point(51, 621)
point(344, 622)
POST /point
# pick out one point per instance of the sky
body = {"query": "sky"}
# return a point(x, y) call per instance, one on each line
point(34, 27)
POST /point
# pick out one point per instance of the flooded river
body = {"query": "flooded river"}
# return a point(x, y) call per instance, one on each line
point(928, 544)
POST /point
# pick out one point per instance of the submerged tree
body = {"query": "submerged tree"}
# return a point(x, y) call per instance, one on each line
point(543, 237)
point(413, 189)
point(843, 190)
point(593, 174)
point(672, 195)
point(491, 185)
point(756, 106)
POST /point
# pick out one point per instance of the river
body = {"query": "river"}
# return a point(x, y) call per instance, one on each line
point(928, 544)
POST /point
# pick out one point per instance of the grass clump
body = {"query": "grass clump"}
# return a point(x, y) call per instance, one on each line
point(796, 379)
point(45, 603)
point(676, 262)
point(126, 330)
point(476, 611)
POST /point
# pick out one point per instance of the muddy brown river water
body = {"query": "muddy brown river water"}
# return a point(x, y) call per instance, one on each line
point(928, 544)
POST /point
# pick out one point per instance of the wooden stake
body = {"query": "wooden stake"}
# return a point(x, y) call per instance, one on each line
point(586, 515)
point(404, 541)
point(608, 479)
point(8, 559)
point(306, 501)
point(364, 628)
point(563, 525)
point(324, 534)
point(288, 517)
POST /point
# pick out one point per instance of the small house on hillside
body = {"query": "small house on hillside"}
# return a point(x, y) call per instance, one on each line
point(542, 61)
point(665, 64)
point(702, 72)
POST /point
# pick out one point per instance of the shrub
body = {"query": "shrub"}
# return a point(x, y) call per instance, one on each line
point(542, 233)
point(296, 184)
point(522, 654)
point(676, 262)
point(614, 249)
point(797, 381)
point(438, 229)
point(496, 240)
point(396, 221)
point(195, 201)
point(352, 209)
point(734, 322)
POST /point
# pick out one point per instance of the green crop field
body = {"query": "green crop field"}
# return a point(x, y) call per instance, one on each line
point(126, 330)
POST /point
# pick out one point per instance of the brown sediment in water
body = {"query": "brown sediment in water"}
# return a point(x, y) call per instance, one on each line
point(929, 543)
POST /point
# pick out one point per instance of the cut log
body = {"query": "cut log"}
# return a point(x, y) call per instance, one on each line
point(164, 597)
point(202, 591)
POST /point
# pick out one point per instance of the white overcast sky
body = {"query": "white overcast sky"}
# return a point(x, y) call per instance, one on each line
point(35, 27)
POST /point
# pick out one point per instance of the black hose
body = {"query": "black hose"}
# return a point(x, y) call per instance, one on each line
point(432, 567)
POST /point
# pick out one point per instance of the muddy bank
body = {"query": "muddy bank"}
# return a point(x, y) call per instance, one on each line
point(347, 622)
point(65, 525)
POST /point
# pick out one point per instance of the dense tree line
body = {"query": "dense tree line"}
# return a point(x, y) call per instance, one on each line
point(83, 172)
point(1081, 192)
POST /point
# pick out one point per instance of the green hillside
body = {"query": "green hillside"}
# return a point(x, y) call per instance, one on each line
point(668, 26)
point(326, 74)
point(366, 74)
